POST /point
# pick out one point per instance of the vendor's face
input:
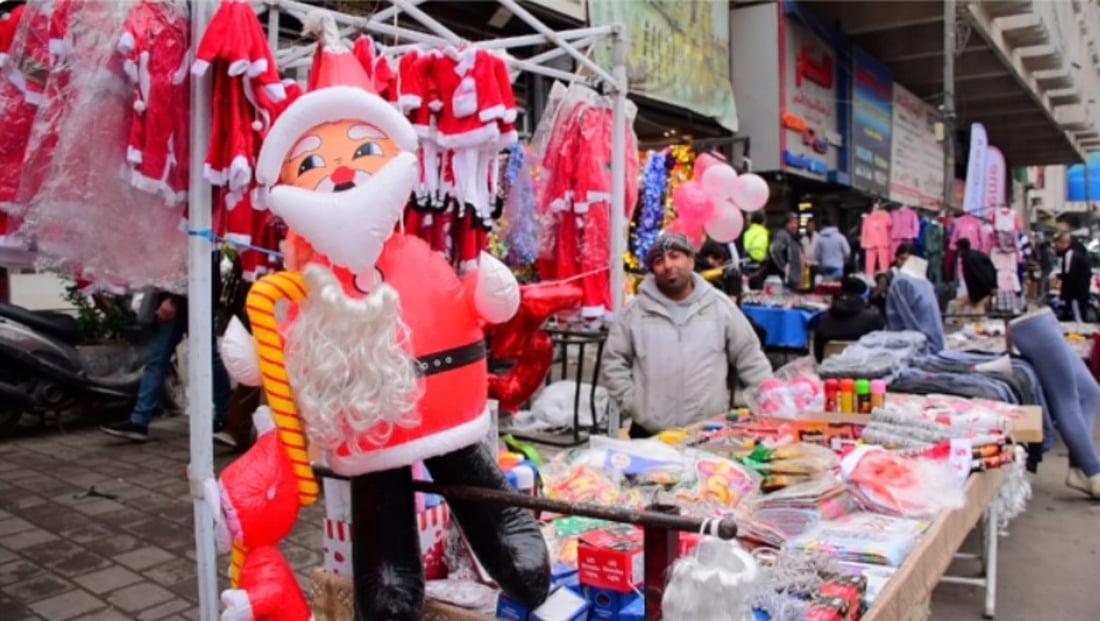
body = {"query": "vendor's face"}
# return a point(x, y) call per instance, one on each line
point(334, 157)
point(672, 271)
point(1061, 245)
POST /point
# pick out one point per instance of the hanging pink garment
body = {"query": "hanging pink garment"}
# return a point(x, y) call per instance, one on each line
point(967, 227)
point(874, 238)
point(904, 227)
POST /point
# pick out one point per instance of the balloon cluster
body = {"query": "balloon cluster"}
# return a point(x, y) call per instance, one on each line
point(712, 202)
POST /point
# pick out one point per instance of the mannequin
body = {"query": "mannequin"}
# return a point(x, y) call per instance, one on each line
point(874, 237)
point(904, 227)
point(1004, 248)
point(911, 303)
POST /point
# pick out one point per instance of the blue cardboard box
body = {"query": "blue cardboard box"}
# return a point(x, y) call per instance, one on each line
point(511, 610)
point(607, 605)
point(634, 611)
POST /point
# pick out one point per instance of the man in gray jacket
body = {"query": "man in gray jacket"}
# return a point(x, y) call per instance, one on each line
point(676, 349)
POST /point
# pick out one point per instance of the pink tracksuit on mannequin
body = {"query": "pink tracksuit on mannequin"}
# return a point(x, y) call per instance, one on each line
point(874, 237)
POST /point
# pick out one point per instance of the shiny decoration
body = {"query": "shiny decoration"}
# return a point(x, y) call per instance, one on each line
point(518, 236)
point(522, 339)
point(651, 216)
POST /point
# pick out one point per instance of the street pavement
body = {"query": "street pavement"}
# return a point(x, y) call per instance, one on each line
point(93, 528)
point(98, 529)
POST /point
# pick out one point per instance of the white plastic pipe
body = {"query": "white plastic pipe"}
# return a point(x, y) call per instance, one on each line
point(200, 401)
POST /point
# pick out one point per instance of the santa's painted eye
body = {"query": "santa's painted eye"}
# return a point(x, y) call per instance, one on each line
point(368, 148)
point(311, 162)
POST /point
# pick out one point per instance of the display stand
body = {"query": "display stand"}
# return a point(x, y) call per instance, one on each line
point(384, 23)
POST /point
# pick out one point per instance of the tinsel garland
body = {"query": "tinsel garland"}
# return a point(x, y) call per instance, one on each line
point(516, 238)
point(646, 227)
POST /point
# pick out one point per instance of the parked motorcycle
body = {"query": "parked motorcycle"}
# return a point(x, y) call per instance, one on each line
point(43, 370)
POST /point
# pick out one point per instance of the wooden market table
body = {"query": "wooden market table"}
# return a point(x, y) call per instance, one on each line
point(911, 586)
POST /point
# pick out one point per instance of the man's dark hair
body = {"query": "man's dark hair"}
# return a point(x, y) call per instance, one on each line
point(853, 285)
point(716, 250)
point(906, 248)
point(757, 218)
point(963, 244)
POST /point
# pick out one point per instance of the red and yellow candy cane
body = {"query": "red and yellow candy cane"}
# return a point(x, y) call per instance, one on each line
point(261, 303)
point(236, 561)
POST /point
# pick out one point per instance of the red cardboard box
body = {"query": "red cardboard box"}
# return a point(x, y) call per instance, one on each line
point(611, 558)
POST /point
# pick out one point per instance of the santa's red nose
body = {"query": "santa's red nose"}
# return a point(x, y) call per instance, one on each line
point(342, 175)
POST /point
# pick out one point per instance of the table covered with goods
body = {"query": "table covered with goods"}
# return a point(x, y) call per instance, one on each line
point(786, 317)
point(839, 515)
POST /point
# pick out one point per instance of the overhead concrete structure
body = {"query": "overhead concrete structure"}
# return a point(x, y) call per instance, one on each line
point(1029, 70)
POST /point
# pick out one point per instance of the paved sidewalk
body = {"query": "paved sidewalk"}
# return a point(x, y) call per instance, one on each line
point(67, 554)
point(125, 551)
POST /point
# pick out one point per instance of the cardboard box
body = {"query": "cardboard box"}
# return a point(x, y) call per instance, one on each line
point(562, 605)
point(634, 611)
point(511, 610)
point(611, 558)
point(607, 604)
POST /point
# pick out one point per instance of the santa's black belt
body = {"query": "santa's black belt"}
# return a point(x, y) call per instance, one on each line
point(448, 359)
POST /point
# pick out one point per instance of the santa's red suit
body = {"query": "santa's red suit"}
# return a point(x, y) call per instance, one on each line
point(255, 503)
point(22, 88)
point(154, 44)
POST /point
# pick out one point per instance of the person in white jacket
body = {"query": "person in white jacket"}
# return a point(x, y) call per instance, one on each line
point(679, 346)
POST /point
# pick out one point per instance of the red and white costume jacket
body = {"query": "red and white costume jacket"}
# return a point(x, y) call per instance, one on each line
point(154, 45)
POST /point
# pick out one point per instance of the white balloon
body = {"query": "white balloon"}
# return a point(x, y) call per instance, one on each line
point(751, 192)
point(726, 224)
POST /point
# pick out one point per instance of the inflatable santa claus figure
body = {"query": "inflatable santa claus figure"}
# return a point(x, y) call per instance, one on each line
point(255, 505)
point(385, 362)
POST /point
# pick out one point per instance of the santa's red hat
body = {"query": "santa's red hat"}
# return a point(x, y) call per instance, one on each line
point(339, 90)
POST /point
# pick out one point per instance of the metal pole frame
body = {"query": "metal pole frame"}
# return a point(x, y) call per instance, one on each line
point(949, 18)
point(201, 330)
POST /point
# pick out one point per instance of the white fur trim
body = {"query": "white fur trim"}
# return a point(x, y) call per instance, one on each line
point(238, 350)
point(237, 606)
point(472, 138)
point(240, 173)
point(56, 47)
point(34, 98)
point(409, 102)
point(496, 296)
point(200, 67)
point(133, 155)
point(593, 312)
point(126, 43)
point(510, 115)
point(257, 67)
point(508, 138)
point(377, 460)
point(263, 420)
point(334, 103)
point(239, 67)
point(212, 495)
point(215, 177)
point(435, 106)
point(3, 58)
point(129, 67)
point(492, 113)
point(275, 91)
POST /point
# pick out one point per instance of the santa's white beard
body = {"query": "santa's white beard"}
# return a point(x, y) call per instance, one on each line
point(349, 227)
point(348, 366)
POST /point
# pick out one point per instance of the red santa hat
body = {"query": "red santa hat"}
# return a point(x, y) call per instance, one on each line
point(339, 89)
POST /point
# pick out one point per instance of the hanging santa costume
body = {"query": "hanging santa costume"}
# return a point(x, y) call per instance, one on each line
point(248, 96)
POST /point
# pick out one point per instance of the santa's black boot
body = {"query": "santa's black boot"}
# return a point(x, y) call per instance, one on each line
point(506, 540)
point(388, 571)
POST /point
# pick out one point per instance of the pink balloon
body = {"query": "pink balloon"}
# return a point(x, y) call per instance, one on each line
point(693, 205)
point(705, 161)
point(719, 181)
point(751, 192)
point(694, 232)
point(726, 225)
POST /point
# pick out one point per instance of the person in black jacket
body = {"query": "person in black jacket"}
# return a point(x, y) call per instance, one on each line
point(848, 318)
point(979, 274)
point(1075, 275)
